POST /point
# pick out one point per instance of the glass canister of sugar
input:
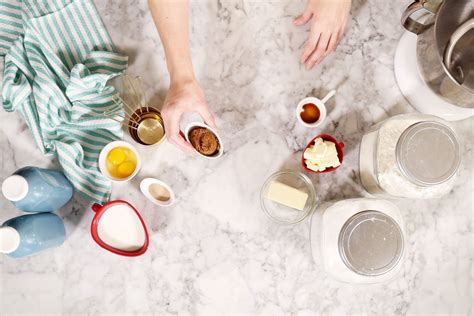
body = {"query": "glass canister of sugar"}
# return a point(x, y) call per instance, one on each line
point(410, 156)
point(358, 240)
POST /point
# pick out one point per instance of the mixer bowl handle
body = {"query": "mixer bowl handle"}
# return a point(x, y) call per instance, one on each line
point(410, 24)
point(453, 40)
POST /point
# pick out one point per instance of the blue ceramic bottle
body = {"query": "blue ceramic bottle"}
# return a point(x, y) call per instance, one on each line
point(28, 234)
point(36, 190)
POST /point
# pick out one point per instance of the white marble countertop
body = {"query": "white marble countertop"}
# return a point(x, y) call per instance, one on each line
point(214, 251)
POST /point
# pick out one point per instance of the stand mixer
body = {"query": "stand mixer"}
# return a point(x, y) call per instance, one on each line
point(434, 60)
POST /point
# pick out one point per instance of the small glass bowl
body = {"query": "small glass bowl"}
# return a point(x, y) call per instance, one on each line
point(284, 214)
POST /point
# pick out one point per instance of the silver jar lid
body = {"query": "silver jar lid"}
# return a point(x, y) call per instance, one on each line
point(428, 153)
point(371, 243)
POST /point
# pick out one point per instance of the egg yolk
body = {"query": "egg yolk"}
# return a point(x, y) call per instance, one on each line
point(116, 156)
point(126, 169)
point(121, 162)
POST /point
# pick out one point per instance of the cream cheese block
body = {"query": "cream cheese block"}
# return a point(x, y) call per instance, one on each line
point(286, 195)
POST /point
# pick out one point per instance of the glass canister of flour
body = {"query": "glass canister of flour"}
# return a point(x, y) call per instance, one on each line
point(410, 156)
point(358, 240)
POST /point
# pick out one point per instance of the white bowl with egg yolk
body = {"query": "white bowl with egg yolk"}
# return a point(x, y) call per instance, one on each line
point(103, 160)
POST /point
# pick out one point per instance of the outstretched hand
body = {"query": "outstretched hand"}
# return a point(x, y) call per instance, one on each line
point(183, 98)
point(328, 21)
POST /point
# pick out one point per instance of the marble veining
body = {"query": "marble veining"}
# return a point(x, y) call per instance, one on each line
point(214, 251)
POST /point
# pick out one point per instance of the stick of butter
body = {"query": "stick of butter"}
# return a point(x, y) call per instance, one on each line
point(286, 195)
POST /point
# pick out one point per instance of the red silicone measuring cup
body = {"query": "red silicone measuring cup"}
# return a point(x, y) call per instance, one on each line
point(339, 149)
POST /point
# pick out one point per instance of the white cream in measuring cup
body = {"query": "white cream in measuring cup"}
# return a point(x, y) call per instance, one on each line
point(119, 228)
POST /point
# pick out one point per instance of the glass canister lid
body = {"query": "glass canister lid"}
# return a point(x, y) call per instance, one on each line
point(428, 153)
point(371, 243)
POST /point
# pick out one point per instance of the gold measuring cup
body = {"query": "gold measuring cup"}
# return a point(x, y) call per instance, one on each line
point(147, 127)
point(144, 122)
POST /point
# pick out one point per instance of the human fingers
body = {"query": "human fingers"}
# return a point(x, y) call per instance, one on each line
point(332, 43)
point(207, 116)
point(340, 35)
point(331, 47)
point(179, 141)
point(303, 18)
point(173, 132)
point(319, 51)
point(310, 45)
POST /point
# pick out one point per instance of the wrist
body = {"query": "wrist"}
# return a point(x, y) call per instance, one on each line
point(188, 86)
point(182, 80)
point(181, 74)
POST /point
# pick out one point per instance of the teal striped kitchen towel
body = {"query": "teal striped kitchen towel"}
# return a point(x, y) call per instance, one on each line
point(58, 58)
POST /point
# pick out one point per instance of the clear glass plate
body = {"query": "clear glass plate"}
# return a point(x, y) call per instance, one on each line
point(284, 214)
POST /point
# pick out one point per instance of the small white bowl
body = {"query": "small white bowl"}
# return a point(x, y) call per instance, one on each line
point(103, 158)
point(145, 188)
point(319, 104)
point(199, 124)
